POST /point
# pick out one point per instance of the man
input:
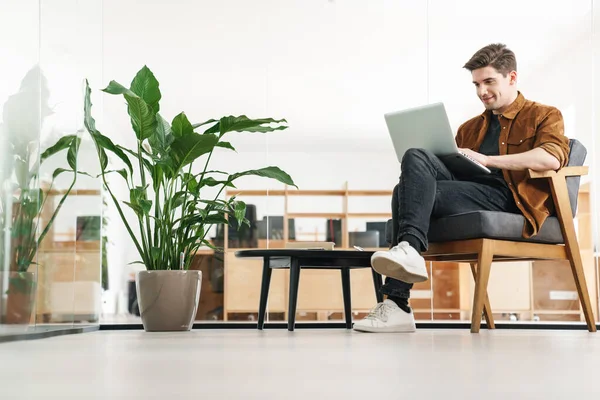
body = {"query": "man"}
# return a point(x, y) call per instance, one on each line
point(512, 135)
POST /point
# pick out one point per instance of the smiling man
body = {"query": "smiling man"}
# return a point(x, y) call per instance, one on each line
point(512, 135)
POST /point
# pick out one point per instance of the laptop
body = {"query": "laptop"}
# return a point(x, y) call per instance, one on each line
point(427, 127)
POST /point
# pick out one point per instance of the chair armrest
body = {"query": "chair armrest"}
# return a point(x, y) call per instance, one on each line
point(566, 171)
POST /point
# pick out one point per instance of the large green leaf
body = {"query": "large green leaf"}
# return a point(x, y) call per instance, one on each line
point(210, 181)
point(59, 171)
point(240, 211)
point(178, 199)
point(263, 129)
point(116, 88)
point(137, 209)
point(90, 125)
point(155, 252)
point(143, 120)
point(267, 172)
point(189, 180)
point(122, 172)
point(226, 145)
point(72, 153)
point(146, 206)
point(145, 86)
point(62, 144)
point(216, 218)
point(163, 138)
point(107, 144)
point(103, 159)
point(243, 123)
point(143, 117)
point(137, 193)
point(157, 173)
point(186, 149)
point(138, 200)
point(88, 120)
point(181, 126)
point(204, 123)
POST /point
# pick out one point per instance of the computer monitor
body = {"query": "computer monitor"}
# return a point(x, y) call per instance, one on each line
point(368, 239)
point(380, 227)
point(271, 227)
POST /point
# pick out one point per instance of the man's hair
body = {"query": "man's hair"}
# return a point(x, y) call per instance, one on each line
point(496, 55)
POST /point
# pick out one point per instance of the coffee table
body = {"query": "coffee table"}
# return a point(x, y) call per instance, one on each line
point(297, 259)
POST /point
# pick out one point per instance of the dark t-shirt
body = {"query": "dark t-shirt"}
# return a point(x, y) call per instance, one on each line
point(490, 147)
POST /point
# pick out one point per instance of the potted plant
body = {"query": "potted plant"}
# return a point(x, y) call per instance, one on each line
point(167, 174)
point(22, 198)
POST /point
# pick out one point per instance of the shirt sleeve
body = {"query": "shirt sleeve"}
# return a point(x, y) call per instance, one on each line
point(460, 136)
point(550, 136)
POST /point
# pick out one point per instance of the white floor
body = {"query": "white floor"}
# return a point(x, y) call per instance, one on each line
point(306, 364)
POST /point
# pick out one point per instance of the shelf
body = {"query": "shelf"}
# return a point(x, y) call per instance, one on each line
point(286, 193)
point(339, 215)
point(77, 192)
point(316, 215)
point(290, 193)
point(370, 215)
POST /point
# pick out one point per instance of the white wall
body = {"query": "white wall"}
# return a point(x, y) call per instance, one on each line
point(332, 68)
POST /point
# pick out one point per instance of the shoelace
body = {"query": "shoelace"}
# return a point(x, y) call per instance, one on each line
point(380, 311)
point(402, 246)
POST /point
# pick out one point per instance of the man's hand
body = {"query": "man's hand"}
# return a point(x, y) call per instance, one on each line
point(480, 158)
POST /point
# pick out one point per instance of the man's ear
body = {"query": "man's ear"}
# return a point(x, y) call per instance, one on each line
point(513, 77)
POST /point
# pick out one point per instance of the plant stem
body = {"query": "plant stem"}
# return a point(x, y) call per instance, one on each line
point(120, 211)
point(146, 237)
point(49, 224)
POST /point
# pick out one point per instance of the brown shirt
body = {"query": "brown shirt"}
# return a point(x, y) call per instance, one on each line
point(525, 125)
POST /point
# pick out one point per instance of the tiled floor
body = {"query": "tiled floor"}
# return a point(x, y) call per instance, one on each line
point(305, 364)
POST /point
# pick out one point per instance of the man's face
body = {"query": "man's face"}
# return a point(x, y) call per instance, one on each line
point(495, 91)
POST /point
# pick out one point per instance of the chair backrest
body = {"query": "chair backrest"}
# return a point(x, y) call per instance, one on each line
point(577, 155)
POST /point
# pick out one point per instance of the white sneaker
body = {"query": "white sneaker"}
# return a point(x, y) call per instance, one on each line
point(386, 317)
point(401, 262)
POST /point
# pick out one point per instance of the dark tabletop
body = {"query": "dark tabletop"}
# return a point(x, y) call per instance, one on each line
point(353, 254)
point(312, 258)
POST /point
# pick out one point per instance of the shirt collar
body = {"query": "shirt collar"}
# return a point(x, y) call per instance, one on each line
point(512, 110)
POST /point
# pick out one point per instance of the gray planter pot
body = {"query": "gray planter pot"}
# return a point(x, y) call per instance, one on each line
point(168, 300)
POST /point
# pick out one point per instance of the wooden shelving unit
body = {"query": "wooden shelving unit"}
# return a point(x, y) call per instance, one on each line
point(344, 194)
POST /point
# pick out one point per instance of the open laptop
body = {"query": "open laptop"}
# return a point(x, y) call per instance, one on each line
point(427, 127)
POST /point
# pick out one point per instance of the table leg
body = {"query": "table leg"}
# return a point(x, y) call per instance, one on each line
point(294, 283)
point(347, 296)
point(264, 292)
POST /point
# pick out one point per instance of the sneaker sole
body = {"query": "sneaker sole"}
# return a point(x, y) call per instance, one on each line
point(387, 329)
point(393, 269)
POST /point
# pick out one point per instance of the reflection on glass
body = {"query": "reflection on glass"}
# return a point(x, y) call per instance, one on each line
point(27, 219)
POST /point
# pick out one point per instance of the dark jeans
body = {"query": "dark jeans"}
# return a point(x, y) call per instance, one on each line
point(427, 190)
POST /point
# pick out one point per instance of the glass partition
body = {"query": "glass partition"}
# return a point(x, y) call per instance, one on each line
point(51, 253)
point(332, 69)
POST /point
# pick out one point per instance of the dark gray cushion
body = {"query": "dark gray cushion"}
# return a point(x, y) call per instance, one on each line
point(500, 225)
point(492, 225)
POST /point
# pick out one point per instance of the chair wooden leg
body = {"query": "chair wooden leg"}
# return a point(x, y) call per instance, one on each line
point(487, 310)
point(560, 196)
point(580, 283)
point(484, 264)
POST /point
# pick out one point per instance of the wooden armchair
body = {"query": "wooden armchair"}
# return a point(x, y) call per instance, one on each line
point(483, 237)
